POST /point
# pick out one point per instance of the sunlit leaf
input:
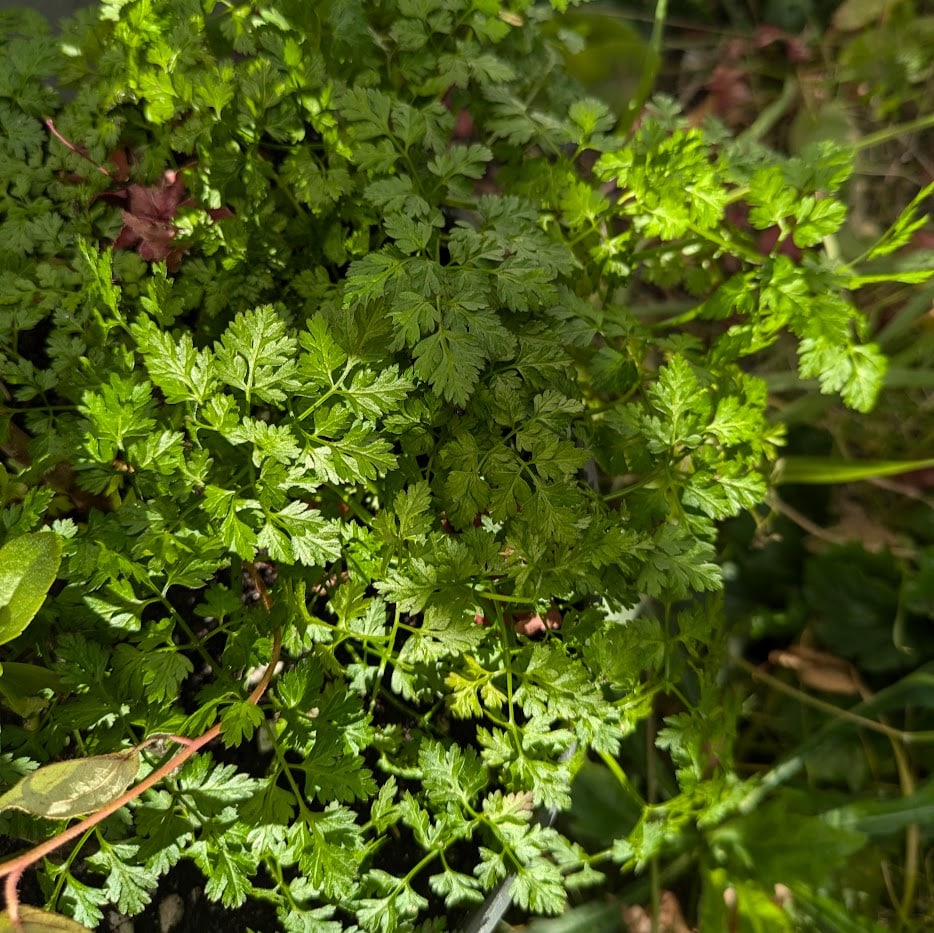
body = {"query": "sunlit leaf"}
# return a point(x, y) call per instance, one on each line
point(73, 788)
point(33, 920)
point(21, 685)
point(857, 14)
point(28, 566)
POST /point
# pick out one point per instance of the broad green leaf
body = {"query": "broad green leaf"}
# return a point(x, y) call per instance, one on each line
point(28, 566)
point(21, 684)
point(903, 276)
point(755, 910)
point(600, 807)
point(73, 788)
point(881, 818)
point(33, 920)
point(779, 846)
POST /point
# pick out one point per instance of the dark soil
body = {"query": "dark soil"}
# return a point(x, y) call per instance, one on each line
point(181, 891)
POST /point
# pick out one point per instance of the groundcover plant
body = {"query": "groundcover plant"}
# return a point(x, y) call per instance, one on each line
point(383, 490)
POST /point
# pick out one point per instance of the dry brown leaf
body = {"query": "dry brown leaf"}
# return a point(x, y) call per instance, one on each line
point(820, 670)
point(856, 524)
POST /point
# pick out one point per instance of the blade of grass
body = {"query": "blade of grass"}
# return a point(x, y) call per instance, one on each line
point(915, 308)
point(819, 471)
point(650, 73)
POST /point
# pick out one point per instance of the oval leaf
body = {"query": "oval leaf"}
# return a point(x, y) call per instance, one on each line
point(40, 921)
point(28, 566)
point(22, 684)
point(73, 788)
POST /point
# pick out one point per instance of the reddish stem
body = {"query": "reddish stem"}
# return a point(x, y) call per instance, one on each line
point(70, 145)
point(14, 868)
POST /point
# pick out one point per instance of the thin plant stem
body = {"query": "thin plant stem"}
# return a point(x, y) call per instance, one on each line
point(650, 72)
point(655, 882)
point(13, 869)
point(771, 114)
point(899, 735)
point(898, 739)
point(895, 132)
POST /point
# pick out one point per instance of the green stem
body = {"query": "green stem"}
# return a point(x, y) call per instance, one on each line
point(895, 132)
point(898, 735)
point(336, 387)
point(504, 641)
point(617, 772)
point(384, 658)
point(413, 873)
point(650, 72)
point(632, 487)
point(731, 247)
point(773, 113)
point(66, 868)
point(285, 769)
point(503, 598)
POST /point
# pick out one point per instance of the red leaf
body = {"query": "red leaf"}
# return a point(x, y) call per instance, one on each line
point(149, 211)
point(153, 236)
point(121, 163)
point(148, 220)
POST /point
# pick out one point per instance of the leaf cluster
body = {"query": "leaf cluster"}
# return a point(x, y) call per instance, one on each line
point(390, 381)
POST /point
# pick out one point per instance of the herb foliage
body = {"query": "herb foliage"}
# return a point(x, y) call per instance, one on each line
point(354, 295)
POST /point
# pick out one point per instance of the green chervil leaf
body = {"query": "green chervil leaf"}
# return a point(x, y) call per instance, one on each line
point(330, 844)
point(239, 722)
point(128, 886)
point(256, 356)
point(336, 320)
point(451, 774)
point(181, 372)
point(227, 866)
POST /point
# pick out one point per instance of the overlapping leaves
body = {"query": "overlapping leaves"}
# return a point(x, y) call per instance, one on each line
point(396, 370)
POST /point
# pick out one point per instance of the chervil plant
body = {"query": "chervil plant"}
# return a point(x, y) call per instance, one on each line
point(352, 306)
